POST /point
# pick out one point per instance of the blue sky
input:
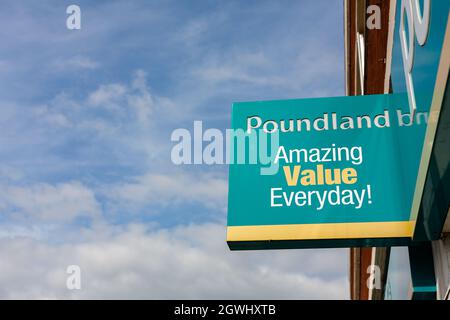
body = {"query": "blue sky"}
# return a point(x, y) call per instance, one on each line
point(86, 116)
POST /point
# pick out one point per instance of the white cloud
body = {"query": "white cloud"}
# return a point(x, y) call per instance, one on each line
point(18, 231)
point(250, 68)
point(46, 202)
point(76, 63)
point(123, 113)
point(134, 101)
point(10, 173)
point(183, 263)
point(193, 31)
point(142, 101)
point(52, 118)
point(107, 96)
point(163, 189)
point(83, 62)
point(144, 104)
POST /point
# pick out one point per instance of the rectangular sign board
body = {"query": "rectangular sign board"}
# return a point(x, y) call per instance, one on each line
point(420, 65)
point(325, 172)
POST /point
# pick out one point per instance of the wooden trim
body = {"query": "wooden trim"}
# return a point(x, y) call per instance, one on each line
point(376, 55)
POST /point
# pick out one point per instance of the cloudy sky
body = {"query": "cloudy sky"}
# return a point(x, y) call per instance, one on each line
point(86, 116)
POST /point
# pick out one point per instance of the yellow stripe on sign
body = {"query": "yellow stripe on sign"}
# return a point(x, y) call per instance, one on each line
point(355, 230)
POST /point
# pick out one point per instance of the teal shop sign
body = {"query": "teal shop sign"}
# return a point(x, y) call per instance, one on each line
point(420, 66)
point(327, 172)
